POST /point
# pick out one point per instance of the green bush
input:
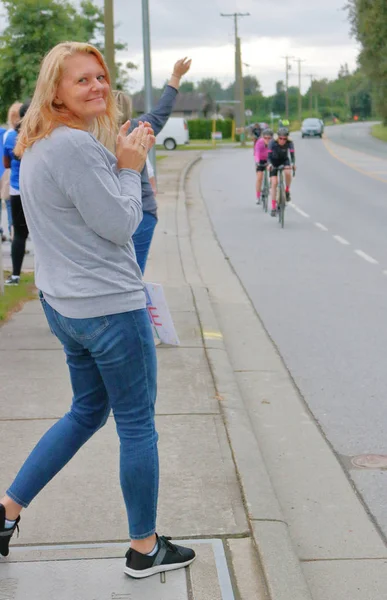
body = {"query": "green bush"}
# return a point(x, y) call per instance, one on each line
point(201, 129)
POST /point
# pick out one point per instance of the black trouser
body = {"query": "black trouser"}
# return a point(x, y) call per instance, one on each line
point(20, 235)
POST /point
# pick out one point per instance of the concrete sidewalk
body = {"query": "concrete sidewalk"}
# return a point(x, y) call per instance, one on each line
point(74, 535)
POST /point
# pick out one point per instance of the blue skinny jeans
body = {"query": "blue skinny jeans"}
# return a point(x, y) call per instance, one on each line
point(112, 363)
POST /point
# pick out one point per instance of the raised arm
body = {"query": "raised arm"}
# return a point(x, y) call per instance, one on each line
point(162, 111)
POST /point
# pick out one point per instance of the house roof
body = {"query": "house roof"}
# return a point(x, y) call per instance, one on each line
point(185, 101)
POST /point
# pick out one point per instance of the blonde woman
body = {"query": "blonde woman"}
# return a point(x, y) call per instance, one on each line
point(13, 119)
point(82, 206)
point(142, 238)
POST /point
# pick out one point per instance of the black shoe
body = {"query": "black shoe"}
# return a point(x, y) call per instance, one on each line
point(273, 212)
point(6, 534)
point(167, 558)
point(12, 280)
point(288, 198)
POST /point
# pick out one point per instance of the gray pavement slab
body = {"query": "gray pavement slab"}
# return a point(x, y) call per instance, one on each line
point(195, 392)
point(29, 331)
point(199, 492)
point(188, 328)
point(247, 570)
point(284, 576)
point(352, 580)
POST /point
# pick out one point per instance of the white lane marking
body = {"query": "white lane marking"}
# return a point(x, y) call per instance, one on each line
point(341, 240)
point(366, 257)
point(301, 212)
point(321, 226)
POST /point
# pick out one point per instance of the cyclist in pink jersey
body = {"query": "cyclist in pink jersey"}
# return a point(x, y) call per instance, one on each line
point(261, 152)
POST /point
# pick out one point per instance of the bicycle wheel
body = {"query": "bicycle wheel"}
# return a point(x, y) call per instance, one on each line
point(266, 191)
point(283, 204)
point(264, 200)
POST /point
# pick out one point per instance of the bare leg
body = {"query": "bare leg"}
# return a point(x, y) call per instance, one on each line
point(12, 509)
point(144, 546)
point(288, 177)
point(259, 183)
point(274, 183)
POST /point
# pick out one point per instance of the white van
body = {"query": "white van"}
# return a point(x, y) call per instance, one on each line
point(175, 132)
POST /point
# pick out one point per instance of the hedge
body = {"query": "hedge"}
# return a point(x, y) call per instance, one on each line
point(201, 129)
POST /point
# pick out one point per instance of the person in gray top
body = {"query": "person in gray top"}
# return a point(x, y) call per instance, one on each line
point(142, 237)
point(82, 206)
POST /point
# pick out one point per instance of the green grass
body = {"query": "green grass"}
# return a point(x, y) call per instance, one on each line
point(15, 296)
point(161, 156)
point(380, 132)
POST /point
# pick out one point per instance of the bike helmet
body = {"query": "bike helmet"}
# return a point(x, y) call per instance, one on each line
point(267, 132)
point(283, 131)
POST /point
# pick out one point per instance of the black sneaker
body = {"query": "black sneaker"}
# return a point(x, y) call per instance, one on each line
point(273, 212)
point(12, 280)
point(6, 534)
point(167, 558)
point(288, 198)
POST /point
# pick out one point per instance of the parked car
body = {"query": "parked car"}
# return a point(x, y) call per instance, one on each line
point(174, 133)
point(312, 128)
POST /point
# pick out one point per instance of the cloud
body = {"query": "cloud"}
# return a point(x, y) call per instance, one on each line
point(179, 24)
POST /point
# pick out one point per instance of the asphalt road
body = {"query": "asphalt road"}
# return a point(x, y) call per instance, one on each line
point(319, 285)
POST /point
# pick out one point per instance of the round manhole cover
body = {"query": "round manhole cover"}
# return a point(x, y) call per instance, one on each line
point(370, 461)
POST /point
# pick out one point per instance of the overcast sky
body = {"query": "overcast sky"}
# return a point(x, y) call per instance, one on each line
point(314, 30)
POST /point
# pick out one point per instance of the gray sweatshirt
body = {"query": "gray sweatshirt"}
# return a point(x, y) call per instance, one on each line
point(81, 213)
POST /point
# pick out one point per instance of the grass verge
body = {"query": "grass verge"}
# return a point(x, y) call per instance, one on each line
point(15, 296)
point(379, 131)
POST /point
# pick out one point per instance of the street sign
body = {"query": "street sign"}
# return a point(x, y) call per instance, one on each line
point(239, 130)
point(217, 135)
point(248, 113)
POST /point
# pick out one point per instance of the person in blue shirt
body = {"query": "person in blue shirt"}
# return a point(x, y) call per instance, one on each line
point(20, 228)
point(2, 169)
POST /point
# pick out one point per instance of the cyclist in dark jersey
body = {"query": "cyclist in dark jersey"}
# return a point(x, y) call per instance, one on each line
point(256, 131)
point(281, 152)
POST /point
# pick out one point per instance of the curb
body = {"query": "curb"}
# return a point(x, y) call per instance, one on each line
point(281, 567)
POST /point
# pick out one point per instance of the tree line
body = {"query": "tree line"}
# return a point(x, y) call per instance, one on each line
point(343, 97)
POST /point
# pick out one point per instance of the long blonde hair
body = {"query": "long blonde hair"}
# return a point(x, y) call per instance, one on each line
point(13, 116)
point(44, 115)
point(124, 113)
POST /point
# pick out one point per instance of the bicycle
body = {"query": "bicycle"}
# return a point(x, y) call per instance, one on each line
point(265, 191)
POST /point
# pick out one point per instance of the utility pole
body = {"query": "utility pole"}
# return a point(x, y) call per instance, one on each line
point(311, 75)
point(299, 61)
point(288, 67)
point(109, 41)
point(147, 68)
point(238, 87)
